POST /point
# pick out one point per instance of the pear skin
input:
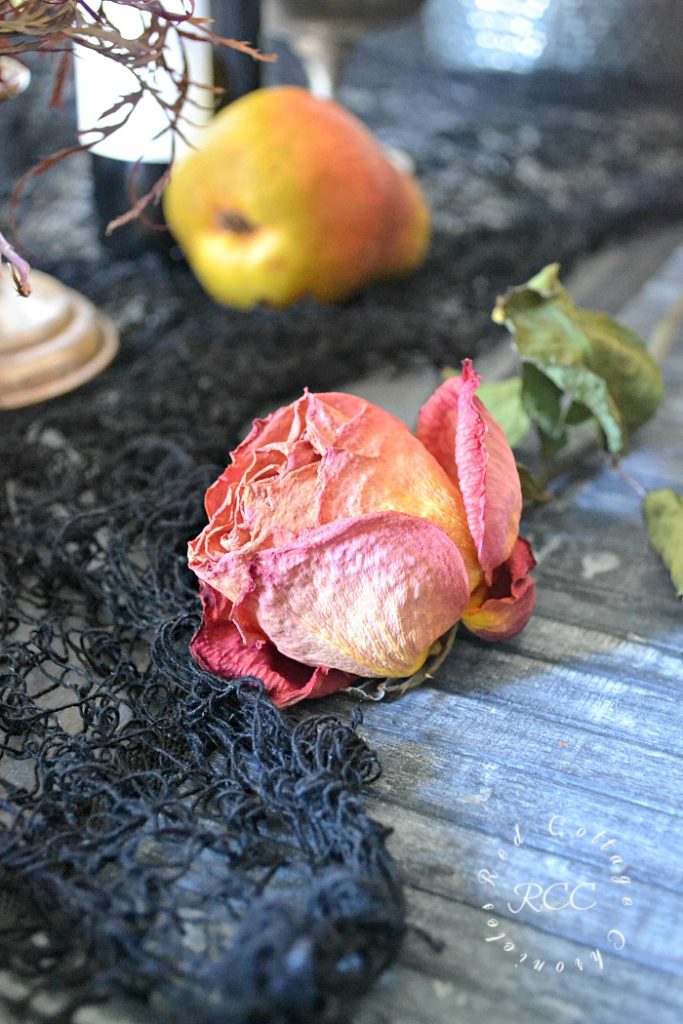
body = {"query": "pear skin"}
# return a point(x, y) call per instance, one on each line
point(289, 195)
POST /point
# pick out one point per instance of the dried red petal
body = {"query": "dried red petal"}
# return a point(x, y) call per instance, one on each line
point(503, 608)
point(218, 647)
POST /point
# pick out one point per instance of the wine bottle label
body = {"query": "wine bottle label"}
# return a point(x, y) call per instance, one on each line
point(102, 84)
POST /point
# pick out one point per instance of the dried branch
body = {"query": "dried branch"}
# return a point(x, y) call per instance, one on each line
point(140, 204)
point(19, 268)
point(54, 26)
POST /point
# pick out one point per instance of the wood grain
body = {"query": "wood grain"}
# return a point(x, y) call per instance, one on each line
point(580, 717)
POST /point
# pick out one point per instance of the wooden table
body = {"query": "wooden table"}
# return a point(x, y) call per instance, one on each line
point(515, 778)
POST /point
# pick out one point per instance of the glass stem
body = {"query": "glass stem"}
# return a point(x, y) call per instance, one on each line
point(323, 57)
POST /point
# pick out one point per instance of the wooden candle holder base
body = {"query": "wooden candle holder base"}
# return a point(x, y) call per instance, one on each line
point(50, 343)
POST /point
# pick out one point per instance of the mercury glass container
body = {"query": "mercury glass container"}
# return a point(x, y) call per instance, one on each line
point(617, 36)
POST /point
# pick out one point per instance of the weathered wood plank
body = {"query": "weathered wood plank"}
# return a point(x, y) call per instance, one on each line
point(489, 797)
point(636, 663)
point(619, 991)
point(579, 717)
point(452, 862)
point(515, 737)
point(407, 995)
point(619, 612)
point(618, 705)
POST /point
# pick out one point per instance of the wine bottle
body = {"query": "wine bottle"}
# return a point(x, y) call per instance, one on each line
point(128, 162)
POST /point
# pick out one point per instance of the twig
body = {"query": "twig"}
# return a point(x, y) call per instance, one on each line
point(140, 204)
point(665, 332)
point(54, 27)
point(19, 268)
point(634, 484)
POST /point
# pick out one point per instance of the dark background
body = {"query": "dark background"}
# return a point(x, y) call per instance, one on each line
point(519, 171)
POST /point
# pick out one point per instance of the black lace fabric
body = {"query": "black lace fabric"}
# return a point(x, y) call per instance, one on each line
point(163, 833)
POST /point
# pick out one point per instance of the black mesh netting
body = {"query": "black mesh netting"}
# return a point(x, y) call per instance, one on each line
point(163, 832)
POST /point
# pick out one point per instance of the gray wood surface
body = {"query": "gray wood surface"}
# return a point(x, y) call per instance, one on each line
point(578, 725)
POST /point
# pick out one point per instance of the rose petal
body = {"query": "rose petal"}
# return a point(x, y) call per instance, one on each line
point(375, 464)
point(326, 417)
point(349, 458)
point(290, 439)
point(356, 485)
point(342, 401)
point(469, 445)
point(265, 513)
point(367, 595)
point(218, 647)
point(503, 608)
point(242, 465)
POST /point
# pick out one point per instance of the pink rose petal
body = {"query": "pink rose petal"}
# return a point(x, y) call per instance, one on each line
point(340, 545)
point(367, 595)
point(375, 464)
point(407, 480)
point(469, 445)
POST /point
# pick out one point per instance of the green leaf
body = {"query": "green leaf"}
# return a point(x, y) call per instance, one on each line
point(543, 402)
point(597, 366)
point(503, 399)
point(624, 362)
point(533, 491)
point(664, 517)
point(577, 413)
point(589, 390)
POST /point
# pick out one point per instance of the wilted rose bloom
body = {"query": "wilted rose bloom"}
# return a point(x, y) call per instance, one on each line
point(341, 545)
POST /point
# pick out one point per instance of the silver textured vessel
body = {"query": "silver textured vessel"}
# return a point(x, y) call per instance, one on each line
point(619, 36)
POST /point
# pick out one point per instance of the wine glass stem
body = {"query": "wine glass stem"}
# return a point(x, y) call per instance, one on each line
point(323, 58)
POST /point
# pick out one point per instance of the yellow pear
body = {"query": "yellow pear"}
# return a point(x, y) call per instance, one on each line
point(289, 195)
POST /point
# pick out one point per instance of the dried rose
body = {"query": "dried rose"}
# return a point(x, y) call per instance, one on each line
point(340, 545)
